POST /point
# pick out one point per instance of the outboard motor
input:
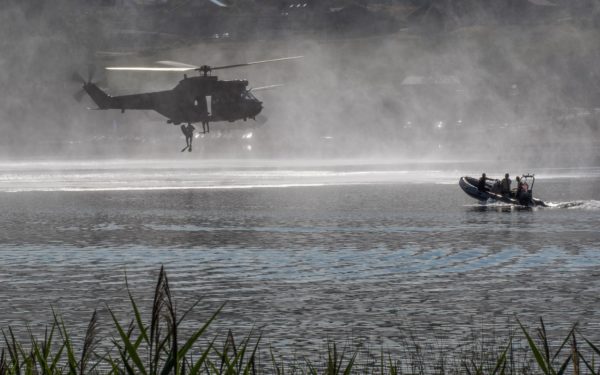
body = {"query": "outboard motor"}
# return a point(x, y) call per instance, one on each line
point(525, 196)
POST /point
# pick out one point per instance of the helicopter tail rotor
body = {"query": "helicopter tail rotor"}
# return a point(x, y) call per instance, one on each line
point(78, 78)
point(78, 96)
point(91, 72)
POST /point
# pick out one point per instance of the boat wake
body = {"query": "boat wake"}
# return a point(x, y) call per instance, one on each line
point(582, 205)
point(573, 205)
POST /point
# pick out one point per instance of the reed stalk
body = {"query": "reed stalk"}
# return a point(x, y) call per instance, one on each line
point(155, 346)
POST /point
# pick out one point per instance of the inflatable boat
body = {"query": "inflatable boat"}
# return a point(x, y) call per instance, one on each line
point(491, 193)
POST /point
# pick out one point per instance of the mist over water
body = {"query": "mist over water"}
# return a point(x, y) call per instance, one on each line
point(499, 84)
point(169, 174)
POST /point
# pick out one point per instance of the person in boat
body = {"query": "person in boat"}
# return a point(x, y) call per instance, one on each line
point(522, 189)
point(505, 185)
point(481, 184)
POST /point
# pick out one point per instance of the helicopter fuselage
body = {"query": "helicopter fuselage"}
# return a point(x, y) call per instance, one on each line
point(193, 100)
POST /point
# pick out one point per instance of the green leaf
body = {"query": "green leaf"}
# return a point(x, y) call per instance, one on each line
point(12, 347)
point(538, 356)
point(348, 369)
point(196, 368)
point(130, 349)
point(311, 369)
point(560, 348)
point(190, 342)
point(544, 338)
point(213, 367)
point(187, 312)
point(42, 362)
point(48, 341)
point(467, 368)
point(501, 363)
point(71, 361)
point(128, 367)
point(393, 368)
point(136, 311)
point(252, 357)
point(564, 365)
point(57, 357)
point(274, 362)
point(592, 345)
point(113, 365)
point(588, 365)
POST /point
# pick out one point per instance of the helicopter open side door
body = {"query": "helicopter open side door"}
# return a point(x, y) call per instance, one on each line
point(203, 104)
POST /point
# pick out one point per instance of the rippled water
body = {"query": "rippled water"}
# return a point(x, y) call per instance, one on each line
point(305, 252)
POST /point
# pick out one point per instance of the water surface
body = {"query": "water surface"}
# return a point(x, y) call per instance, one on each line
point(303, 251)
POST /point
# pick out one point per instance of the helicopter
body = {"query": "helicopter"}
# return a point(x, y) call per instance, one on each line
point(200, 99)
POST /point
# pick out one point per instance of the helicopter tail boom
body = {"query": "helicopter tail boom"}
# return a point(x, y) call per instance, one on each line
point(102, 99)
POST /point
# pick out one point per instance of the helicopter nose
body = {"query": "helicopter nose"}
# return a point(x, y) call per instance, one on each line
point(257, 107)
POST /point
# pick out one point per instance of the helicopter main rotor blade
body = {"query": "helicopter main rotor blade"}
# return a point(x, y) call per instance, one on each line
point(149, 68)
point(254, 63)
point(269, 87)
point(177, 64)
point(219, 3)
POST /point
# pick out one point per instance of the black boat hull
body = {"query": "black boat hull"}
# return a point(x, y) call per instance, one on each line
point(469, 186)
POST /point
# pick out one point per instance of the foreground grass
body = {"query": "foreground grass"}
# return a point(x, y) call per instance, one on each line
point(157, 347)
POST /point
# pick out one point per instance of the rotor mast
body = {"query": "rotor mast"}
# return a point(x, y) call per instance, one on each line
point(205, 70)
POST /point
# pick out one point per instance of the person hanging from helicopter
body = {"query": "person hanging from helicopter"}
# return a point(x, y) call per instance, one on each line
point(188, 132)
point(202, 105)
